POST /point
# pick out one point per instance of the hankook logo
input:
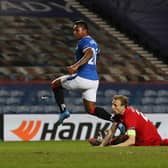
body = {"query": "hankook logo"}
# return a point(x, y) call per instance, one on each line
point(27, 129)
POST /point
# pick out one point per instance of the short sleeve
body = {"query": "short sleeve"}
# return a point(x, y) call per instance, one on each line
point(131, 120)
point(85, 43)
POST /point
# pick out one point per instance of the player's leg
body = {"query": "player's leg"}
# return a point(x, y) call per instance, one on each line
point(58, 93)
point(164, 142)
point(69, 82)
point(58, 90)
point(89, 101)
point(91, 108)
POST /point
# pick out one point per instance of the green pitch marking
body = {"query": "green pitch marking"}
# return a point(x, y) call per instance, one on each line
point(79, 154)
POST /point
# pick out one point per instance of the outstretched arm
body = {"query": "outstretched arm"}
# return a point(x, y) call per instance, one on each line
point(88, 54)
point(109, 135)
point(130, 141)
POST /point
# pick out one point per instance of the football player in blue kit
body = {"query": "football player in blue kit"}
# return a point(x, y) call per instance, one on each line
point(82, 75)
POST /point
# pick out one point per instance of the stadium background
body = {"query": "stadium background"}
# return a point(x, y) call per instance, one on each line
point(36, 43)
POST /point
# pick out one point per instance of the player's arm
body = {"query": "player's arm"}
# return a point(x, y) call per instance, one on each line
point(88, 54)
point(110, 133)
point(131, 139)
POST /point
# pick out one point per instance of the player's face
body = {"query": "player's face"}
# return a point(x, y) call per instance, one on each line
point(117, 107)
point(79, 31)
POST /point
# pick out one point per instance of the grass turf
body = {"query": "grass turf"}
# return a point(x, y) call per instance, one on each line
point(79, 154)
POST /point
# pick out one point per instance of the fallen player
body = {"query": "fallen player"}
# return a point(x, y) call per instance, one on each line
point(140, 131)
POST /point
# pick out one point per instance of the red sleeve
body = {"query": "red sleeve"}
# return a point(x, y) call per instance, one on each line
point(130, 119)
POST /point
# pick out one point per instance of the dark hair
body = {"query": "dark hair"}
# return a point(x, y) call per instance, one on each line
point(81, 23)
point(123, 99)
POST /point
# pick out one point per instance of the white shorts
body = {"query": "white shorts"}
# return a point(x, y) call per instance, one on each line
point(88, 87)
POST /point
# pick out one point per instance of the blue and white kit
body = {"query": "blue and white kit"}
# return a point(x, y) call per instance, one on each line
point(86, 78)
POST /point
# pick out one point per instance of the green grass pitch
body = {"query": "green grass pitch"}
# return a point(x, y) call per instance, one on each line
point(79, 154)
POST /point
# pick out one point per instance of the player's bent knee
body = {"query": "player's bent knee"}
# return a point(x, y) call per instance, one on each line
point(55, 83)
point(89, 107)
point(91, 110)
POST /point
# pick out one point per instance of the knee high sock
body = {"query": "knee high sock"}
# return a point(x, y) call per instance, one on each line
point(102, 113)
point(59, 97)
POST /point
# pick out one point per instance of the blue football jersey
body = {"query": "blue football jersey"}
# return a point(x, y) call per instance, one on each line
point(88, 70)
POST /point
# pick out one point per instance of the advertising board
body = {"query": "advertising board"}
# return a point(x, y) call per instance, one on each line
point(77, 127)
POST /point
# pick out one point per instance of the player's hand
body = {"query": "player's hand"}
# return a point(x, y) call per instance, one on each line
point(107, 131)
point(72, 69)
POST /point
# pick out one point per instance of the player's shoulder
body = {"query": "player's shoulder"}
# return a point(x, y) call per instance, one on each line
point(87, 39)
point(130, 109)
